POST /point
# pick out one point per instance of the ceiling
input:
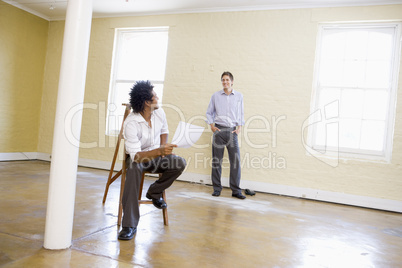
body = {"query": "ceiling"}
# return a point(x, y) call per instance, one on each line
point(56, 9)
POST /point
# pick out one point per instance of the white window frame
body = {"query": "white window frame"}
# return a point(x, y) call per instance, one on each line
point(348, 153)
point(113, 80)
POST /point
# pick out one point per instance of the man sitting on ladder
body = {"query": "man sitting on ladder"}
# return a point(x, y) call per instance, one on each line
point(145, 133)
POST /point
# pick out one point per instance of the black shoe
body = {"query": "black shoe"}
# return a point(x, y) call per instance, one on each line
point(216, 193)
point(239, 195)
point(127, 233)
point(158, 203)
point(249, 192)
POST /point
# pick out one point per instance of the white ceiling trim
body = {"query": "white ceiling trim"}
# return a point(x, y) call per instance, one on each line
point(322, 4)
point(246, 8)
point(27, 9)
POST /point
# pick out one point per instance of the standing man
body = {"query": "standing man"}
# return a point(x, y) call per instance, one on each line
point(225, 116)
point(146, 132)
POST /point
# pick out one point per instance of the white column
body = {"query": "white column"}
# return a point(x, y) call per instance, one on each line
point(63, 169)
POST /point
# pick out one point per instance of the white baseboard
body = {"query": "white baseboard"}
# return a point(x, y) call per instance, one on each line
point(83, 162)
point(264, 187)
point(306, 193)
point(99, 164)
point(44, 157)
point(18, 156)
point(47, 157)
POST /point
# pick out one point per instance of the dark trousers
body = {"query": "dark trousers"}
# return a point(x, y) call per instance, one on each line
point(171, 166)
point(222, 139)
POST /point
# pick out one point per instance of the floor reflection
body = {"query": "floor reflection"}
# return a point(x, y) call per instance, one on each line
point(261, 231)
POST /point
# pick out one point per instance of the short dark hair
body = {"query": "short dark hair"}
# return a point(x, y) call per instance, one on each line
point(141, 92)
point(228, 74)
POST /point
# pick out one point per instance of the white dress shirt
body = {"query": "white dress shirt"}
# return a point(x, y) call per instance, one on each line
point(139, 136)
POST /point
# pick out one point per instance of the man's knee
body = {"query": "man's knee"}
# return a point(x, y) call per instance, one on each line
point(174, 162)
point(180, 163)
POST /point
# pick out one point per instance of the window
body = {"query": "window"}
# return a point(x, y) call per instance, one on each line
point(355, 87)
point(139, 54)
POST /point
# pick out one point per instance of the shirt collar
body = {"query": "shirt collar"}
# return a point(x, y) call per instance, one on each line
point(223, 92)
point(137, 117)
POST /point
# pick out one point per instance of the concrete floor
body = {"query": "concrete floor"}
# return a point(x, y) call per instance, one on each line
point(204, 231)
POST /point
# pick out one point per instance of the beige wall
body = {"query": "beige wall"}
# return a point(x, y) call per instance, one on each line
point(271, 54)
point(22, 58)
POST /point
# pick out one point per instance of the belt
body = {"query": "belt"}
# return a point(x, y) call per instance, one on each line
point(220, 126)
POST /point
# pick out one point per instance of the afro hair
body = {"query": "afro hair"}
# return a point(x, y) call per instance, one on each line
point(141, 92)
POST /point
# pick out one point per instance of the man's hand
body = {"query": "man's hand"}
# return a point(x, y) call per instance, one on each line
point(213, 128)
point(237, 130)
point(166, 149)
